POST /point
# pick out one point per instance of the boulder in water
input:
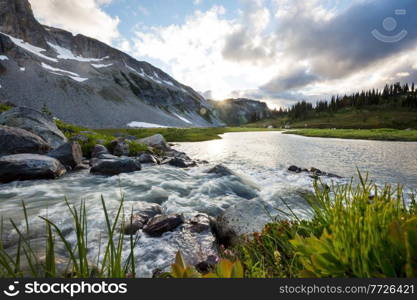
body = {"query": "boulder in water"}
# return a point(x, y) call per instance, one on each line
point(144, 208)
point(199, 223)
point(244, 217)
point(35, 122)
point(16, 140)
point(28, 167)
point(111, 167)
point(181, 163)
point(69, 154)
point(221, 170)
point(134, 224)
point(163, 223)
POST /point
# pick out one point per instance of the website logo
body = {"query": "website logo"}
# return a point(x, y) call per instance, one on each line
point(12, 291)
point(390, 24)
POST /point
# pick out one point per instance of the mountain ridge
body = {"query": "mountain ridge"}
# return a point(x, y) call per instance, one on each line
point(86, 82)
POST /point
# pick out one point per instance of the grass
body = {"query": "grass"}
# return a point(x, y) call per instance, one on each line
point(106, 136)
point(181, 134)
point(357, 231)
point(350, 118)
point(77, 264)
point(367, 134)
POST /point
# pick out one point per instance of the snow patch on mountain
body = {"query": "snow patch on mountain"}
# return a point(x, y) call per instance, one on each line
point(56, 71)
point(30, 48)
point(144, 125)
point(182, 118)
point(64, 53)
point(99, 66)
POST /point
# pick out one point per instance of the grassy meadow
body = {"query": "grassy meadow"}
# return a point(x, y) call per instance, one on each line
point(350, 118)
point(365, 134)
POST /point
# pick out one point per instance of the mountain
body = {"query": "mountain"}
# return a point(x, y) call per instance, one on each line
point(86, 82)
point(236, 112)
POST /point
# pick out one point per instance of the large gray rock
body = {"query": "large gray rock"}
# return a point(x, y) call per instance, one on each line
point(99, 150)
point(117, 166)
point(29, 166)
point(156, 141)
point(163, 223)
point(69, 154)
point(244, 217)
point(120, 147)
point(16, 140)
point(146, 158)
point(35, 122)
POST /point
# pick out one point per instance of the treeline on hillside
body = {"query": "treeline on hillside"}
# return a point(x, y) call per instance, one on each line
point(392, 96)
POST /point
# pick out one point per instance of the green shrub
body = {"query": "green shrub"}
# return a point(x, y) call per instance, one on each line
point(4, 107)
point(357, 231)
point(136, 148)
point(368, 233)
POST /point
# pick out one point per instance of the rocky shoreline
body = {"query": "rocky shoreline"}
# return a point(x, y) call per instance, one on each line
point(32, 147)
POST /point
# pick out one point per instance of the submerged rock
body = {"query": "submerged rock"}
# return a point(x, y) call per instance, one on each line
point(163, 223)
point(144, 208)
point(69, 154)
point(28, 167)
point(199, 223)
point(244, 217)
point(116, 166)
point(17, 140)
point(181, 163)
point(134, 223)
point(221, 170)
point(139, 214)
point(35, 122)
point(313, 172)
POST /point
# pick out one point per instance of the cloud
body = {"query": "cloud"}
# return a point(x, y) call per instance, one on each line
point(248, 42)
point(143, 10)
point(86, 17)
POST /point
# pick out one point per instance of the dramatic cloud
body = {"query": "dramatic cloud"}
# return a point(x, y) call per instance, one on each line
point(340, 45)
point(192, 53)
point(85, 17)
point(249, 42)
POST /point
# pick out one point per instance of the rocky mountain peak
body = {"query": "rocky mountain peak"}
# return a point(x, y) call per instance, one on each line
point(16, 18)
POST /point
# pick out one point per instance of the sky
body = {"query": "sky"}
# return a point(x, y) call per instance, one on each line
point(277, 51)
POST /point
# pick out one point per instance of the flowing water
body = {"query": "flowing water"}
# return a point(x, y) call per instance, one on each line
point(260, 160)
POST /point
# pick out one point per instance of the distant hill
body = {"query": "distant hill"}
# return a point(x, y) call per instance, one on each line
point(236, 112)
